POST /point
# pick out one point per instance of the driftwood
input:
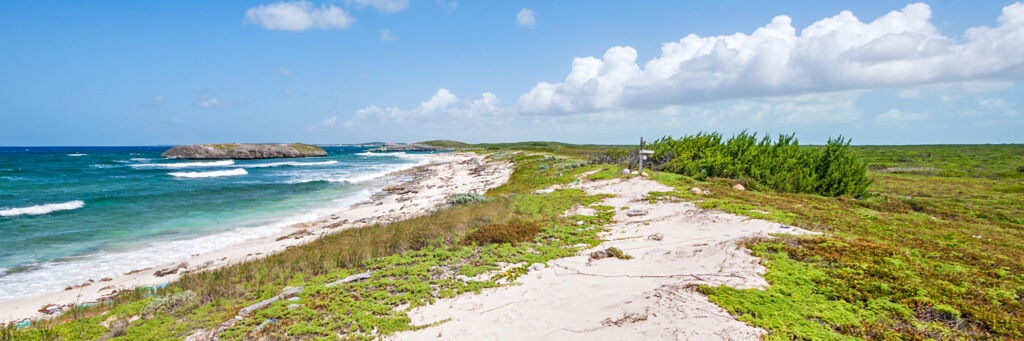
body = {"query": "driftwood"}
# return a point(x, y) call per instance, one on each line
point(353, 278)
point(264, 303)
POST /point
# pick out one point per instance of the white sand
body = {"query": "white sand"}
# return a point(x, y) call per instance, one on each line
point(647, 297)
point(446, 174)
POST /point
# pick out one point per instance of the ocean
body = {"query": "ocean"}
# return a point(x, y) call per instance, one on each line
point(70, 214)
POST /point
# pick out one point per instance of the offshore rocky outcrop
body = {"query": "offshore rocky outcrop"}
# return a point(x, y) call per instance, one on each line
point(243, 151)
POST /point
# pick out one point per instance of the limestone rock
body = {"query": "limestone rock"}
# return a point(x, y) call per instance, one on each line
point(243, 151)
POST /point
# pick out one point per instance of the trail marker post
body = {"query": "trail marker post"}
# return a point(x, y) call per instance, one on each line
point(643, 155)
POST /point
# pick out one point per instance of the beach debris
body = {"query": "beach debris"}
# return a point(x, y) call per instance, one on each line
point(23, 324)
point(644, 174)
point(49, 309)
point(609, 252)
point(579, 223)
point(976, 236)
point(294, 306)
point(626, 318)
point(295, 235)
point(536, 267)
point(707, 192)
point(739, 187)
point(264, 303)
point(544, 191)
point(171, 270)
point(697, 191)
point(599, 254)
point(784, 226)
point(634, 173)
point(106, 279)
point(293, 299)
point(353, 278)
point(634, 213)
point(656, 237)
point(625, 171)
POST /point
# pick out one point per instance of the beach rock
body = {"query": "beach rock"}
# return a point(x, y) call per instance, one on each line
point(739, 187)
point(696, 191)
point(410, 147)
point(170, 270)
point(634, 213)
point(599, 254)
point(243, 151)
point(656, 237)
point(625, 171)
point(294, 306)
point(544, 191)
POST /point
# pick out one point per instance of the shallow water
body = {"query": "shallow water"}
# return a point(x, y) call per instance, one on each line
point(68, 214)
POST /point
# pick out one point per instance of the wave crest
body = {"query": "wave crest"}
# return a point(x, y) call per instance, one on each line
point(42, 209)
point(179, 165)
point(212, 174)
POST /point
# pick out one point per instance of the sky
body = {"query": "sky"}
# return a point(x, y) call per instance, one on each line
point(604, 72)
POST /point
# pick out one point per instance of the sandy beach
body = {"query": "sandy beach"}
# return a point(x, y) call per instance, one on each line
point(413, 192)
point(675, 246)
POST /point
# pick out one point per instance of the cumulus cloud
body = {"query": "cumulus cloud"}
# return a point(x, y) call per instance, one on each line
point(386, 6)
point(210, 103)
point(329, 122)
point(999, 106)
point(299, 16)
point(386, 35)
point(899, 49)
point(895, 116)
point(525, 18)
point(443, 104)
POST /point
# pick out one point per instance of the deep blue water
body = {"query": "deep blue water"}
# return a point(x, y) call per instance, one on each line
point(68, 214)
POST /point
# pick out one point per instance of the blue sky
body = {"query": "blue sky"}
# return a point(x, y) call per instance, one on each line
point(141, 73)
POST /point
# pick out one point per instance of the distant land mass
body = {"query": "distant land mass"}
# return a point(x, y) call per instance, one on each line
point(410, 147)
point(243, 151)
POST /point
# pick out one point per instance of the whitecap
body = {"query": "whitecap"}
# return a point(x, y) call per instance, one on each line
point(369, 173)
point(41, 209)
point(210, 174)
point(139, 159)
point(76, 154)
point(289, 163)
point(178, 165)
point(381, 154)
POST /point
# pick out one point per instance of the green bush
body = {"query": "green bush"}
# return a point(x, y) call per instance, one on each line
point(781, 164)
point(466, 198)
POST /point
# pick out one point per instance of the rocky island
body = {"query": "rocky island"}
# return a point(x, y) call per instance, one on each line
point(243, 151)
point(410, 147)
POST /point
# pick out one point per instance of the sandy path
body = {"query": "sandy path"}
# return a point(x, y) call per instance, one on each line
point(647, 297)
point(424, 188)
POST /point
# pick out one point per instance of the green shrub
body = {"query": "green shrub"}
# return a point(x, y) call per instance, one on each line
point(512, 232)
point(781, 164)
point(466, 198)
point(1020, 169)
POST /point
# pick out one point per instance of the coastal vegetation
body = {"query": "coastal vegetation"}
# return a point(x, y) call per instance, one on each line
point(929, 248)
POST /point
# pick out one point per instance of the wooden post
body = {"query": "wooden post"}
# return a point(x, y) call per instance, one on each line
point(641, 155)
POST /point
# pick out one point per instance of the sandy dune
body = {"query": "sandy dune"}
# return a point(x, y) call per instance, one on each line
point(647, 297)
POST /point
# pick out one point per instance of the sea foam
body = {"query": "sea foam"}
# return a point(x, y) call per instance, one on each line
point(179, 165)
point(41, 209)
point(211, 174)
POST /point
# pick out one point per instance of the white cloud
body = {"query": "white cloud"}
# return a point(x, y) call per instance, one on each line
point(386, 6)
point(214, 102)
point(998, 106)
point(299, 16)
point(525, 18)
point(443, 104)
point(210, 103)
point(329, 122)
point(896, 116)
point(285, 71)
point(386, 35)
point(899, 49)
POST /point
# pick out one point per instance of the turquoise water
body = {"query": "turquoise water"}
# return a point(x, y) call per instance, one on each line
point(68, 214)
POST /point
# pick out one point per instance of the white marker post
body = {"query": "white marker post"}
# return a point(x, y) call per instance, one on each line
point(643, 155)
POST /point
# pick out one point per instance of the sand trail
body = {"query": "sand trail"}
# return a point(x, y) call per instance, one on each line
point(647, 297)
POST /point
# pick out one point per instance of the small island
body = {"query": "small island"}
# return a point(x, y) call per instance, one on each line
point(243, 151)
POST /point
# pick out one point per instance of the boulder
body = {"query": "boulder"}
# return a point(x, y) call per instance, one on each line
point(696, 191)
point(243, 151)
point(739, 187)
